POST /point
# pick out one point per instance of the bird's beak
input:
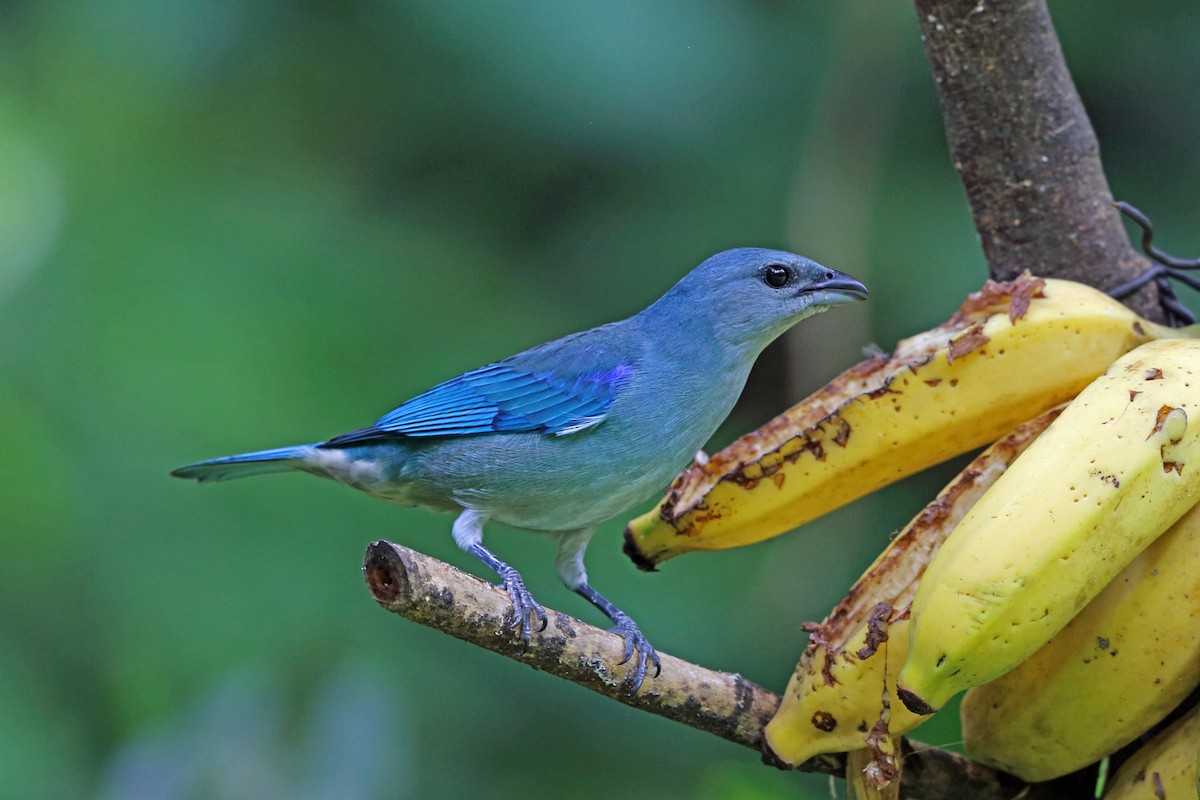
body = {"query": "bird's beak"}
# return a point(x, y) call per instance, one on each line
point(837, 288)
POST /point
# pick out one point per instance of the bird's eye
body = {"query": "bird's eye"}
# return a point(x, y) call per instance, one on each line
point(776, 276)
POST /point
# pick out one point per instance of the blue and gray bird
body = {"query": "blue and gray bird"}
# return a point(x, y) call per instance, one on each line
point(566, 435)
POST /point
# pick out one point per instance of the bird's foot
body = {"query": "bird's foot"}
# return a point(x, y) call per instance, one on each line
point(634, 640)
point(525, 608)
point(624, 626)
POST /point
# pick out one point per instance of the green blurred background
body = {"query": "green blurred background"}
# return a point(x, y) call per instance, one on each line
point(234, 224)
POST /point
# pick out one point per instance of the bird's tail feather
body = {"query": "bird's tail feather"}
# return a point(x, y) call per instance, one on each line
point(244, 465)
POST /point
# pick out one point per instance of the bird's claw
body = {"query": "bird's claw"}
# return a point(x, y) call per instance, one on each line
point(634, 640)
point(524, 606)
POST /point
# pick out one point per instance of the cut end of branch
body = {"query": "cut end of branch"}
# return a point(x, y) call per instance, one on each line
point(386, 574)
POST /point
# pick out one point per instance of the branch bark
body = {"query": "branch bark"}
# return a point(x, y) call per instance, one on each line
point(1023, 146)
point(436, 594)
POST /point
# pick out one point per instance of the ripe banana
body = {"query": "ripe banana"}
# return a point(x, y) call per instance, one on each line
point(1131, 656)
point(1118, 467)
point(1012, 351)
point(1165, 768)
point(836, 696)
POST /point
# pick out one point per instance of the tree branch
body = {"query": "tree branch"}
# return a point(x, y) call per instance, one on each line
point(433, 593)
point(1024, 147)
point(441, 596)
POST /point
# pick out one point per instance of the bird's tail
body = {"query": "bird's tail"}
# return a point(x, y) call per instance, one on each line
point(246, 464)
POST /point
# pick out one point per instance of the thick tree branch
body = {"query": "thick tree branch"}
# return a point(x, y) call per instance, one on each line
point(1023, 146)
point(433, 593)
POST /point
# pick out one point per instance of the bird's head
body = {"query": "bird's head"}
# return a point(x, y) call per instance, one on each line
point(749, 296)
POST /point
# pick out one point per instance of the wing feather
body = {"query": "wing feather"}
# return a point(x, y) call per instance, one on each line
point(503, 397)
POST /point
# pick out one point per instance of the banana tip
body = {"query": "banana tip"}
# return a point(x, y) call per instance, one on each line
point(636, 556)
point(772, 759)
point(913, 702)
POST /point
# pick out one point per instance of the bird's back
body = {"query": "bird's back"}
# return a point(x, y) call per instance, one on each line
point(666, 406)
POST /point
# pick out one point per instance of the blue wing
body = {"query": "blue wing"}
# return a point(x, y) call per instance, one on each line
point(503, 397)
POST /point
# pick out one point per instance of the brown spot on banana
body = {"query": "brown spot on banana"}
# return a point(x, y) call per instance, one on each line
point(1170, 424)
point(824, 721)
point(877, 629)
point(966, 342)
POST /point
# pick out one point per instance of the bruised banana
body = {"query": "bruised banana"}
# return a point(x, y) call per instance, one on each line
point(1119, 667)
point(1165, 767)
point(1012, 351)
point(1117, 468)
point(835, 699)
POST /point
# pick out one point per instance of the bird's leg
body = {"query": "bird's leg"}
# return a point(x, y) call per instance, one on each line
point(569, 565)
point(468, 535)
point(624, 625)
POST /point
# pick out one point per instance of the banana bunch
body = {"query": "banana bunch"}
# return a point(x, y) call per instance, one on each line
point(1118, 667)
point(1165, 768)
point(844, 688)
point(1117, 468)
point(1012, 351)
point(1060, 587)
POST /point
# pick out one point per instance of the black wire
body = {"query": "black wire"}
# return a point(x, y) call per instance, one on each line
point(1166, 268)
point(1148, 233)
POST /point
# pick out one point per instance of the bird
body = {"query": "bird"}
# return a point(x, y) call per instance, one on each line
point(566, 435)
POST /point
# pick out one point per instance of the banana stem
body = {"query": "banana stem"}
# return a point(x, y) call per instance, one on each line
point(433, 593)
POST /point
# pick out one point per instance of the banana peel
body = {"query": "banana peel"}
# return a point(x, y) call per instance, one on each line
point(1165, 768)
point(842, 696)
point(1119, 466)
point(1012, 351)
point(1127, 659)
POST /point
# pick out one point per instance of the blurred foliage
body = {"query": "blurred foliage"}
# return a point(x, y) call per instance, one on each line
point(228, 224)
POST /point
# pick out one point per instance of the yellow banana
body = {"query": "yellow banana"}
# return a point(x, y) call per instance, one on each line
point(1120, 666)
point(1011, 352)
point(1118, 467)
point(835, 698)
point(1165, 768)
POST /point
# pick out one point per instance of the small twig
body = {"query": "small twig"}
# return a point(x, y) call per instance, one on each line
point(433, 593)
